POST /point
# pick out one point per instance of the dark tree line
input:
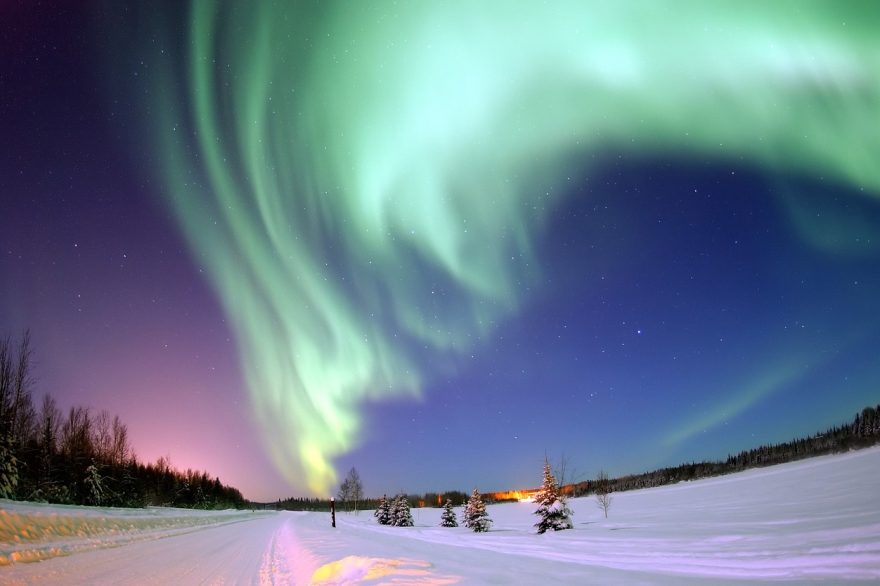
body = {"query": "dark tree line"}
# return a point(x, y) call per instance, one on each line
point(81, 457)
point(323, 504)
point(304, 504)
point(416, 501)
point(863, 431)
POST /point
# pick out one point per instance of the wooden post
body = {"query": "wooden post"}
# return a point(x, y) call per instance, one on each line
point(333, 511)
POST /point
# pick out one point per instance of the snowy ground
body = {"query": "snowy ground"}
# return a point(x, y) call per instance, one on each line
point(818, 519)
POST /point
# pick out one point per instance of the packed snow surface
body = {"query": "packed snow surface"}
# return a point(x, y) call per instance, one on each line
point(817, 519)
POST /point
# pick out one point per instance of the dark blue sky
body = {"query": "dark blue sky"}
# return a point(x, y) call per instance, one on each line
point(678, 301)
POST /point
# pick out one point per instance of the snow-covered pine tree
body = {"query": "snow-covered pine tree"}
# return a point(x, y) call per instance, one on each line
point(392, 511)
point(552, 507)
point(378, 510)
point(465, 513)
point(475, 513)
point(94, 483)
point(400, 514)
point(8, 467)
point(201, 501)
point(447, 519)
point(383, 512)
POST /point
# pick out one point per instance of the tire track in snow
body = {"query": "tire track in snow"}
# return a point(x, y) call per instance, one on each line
point(286, 559)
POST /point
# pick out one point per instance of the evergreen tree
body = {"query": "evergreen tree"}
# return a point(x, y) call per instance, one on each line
point(383, 512)
point(552, 508)
point(94, 485)
point(8, 467)
point(400, 513)
point(475, 514)
point(447, 519)
point(201, 501)
point(132, 492)
point(80, 459)
point(378, 510)
point(393, 510)
point(48, 426)
point(465, 513)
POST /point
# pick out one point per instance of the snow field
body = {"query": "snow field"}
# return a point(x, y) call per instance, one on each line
point(817, 519)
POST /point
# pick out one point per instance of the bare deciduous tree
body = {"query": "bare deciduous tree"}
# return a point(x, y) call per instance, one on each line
point(342, 495)
point(101, 436)
point(120, 451)
point(16, 410)
point(357, 489)
point(76, 434)
point(17, 417)
point(603, 492)
point(351, 491)
point(566, 475)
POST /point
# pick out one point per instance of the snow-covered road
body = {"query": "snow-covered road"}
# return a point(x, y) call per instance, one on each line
point(238, 552)
point(812, 520)
point(298, 548)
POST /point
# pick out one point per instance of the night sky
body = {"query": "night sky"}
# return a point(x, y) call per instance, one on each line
point(439, 241)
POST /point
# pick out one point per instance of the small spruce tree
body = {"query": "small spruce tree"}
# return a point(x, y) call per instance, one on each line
point(383, 512)
point(378, 510)
point(552, 507)
point(465, 513)
point(447, 519)
point(400, 513)
point(476, 517)
point(393, 510)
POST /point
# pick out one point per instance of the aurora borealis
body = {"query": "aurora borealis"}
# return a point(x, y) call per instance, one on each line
point(525, 227)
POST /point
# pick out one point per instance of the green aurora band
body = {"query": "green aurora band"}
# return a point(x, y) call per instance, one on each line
point(364, 181)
